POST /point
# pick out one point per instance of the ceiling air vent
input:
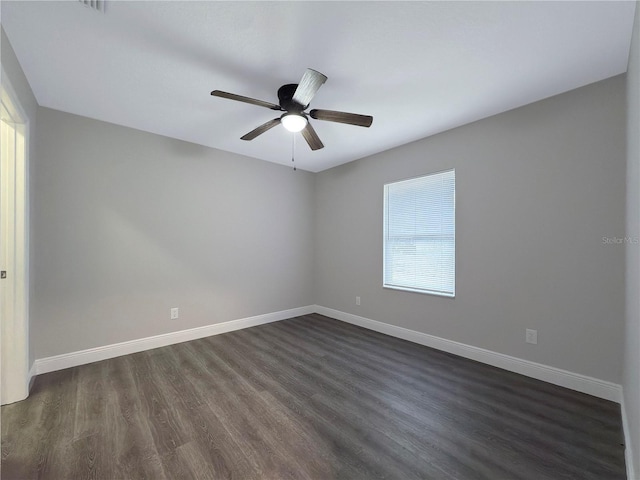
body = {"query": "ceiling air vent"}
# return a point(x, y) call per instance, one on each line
point(97, 5)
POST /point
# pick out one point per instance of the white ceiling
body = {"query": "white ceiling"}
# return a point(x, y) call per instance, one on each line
point(418, 67)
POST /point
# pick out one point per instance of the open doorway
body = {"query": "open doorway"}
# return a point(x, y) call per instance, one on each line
point(14, 324)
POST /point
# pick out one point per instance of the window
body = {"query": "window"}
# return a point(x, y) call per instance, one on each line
point(420, 234)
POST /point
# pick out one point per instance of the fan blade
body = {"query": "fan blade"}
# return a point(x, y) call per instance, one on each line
point(261, 129)
point(312, 138)
point(342, 117)
point(308, 86)
point(240, 98)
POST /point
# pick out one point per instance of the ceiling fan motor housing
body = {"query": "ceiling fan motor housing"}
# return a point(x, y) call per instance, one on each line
point(285, 95)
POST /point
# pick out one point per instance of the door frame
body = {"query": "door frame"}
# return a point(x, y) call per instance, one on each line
point(14, 252)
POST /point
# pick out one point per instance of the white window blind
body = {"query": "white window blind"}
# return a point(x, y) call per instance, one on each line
point(420, 234)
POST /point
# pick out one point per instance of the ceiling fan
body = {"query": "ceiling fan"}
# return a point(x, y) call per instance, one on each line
point(294, 99)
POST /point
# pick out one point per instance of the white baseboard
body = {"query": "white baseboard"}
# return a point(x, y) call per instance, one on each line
point(628, 448)
point(556, 376)
point(73, 359)
point(564, 378)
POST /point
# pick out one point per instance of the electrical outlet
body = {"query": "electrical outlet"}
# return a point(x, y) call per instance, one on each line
point(174, 313)
point(531, 336)
point(357, 300)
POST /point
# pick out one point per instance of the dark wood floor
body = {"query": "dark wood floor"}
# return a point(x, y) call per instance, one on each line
point(306, 398)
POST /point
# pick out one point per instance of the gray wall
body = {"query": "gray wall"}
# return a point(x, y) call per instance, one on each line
point(28, 102)
point(130, 224)
point(127, 224)
point(631, 380)
point(537, 190)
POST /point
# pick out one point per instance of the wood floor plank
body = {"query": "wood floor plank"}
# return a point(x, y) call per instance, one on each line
point(263, 418)
point(131, 444)
point(526, 432)
point(370, 407)
point(306, 398)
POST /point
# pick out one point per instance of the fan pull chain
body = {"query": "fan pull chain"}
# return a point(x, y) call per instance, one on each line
point(293, 149)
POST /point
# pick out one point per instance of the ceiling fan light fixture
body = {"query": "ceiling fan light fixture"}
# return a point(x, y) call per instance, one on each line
point(294, 122)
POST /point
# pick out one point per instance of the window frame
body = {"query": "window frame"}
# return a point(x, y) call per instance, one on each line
point(438, 293)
